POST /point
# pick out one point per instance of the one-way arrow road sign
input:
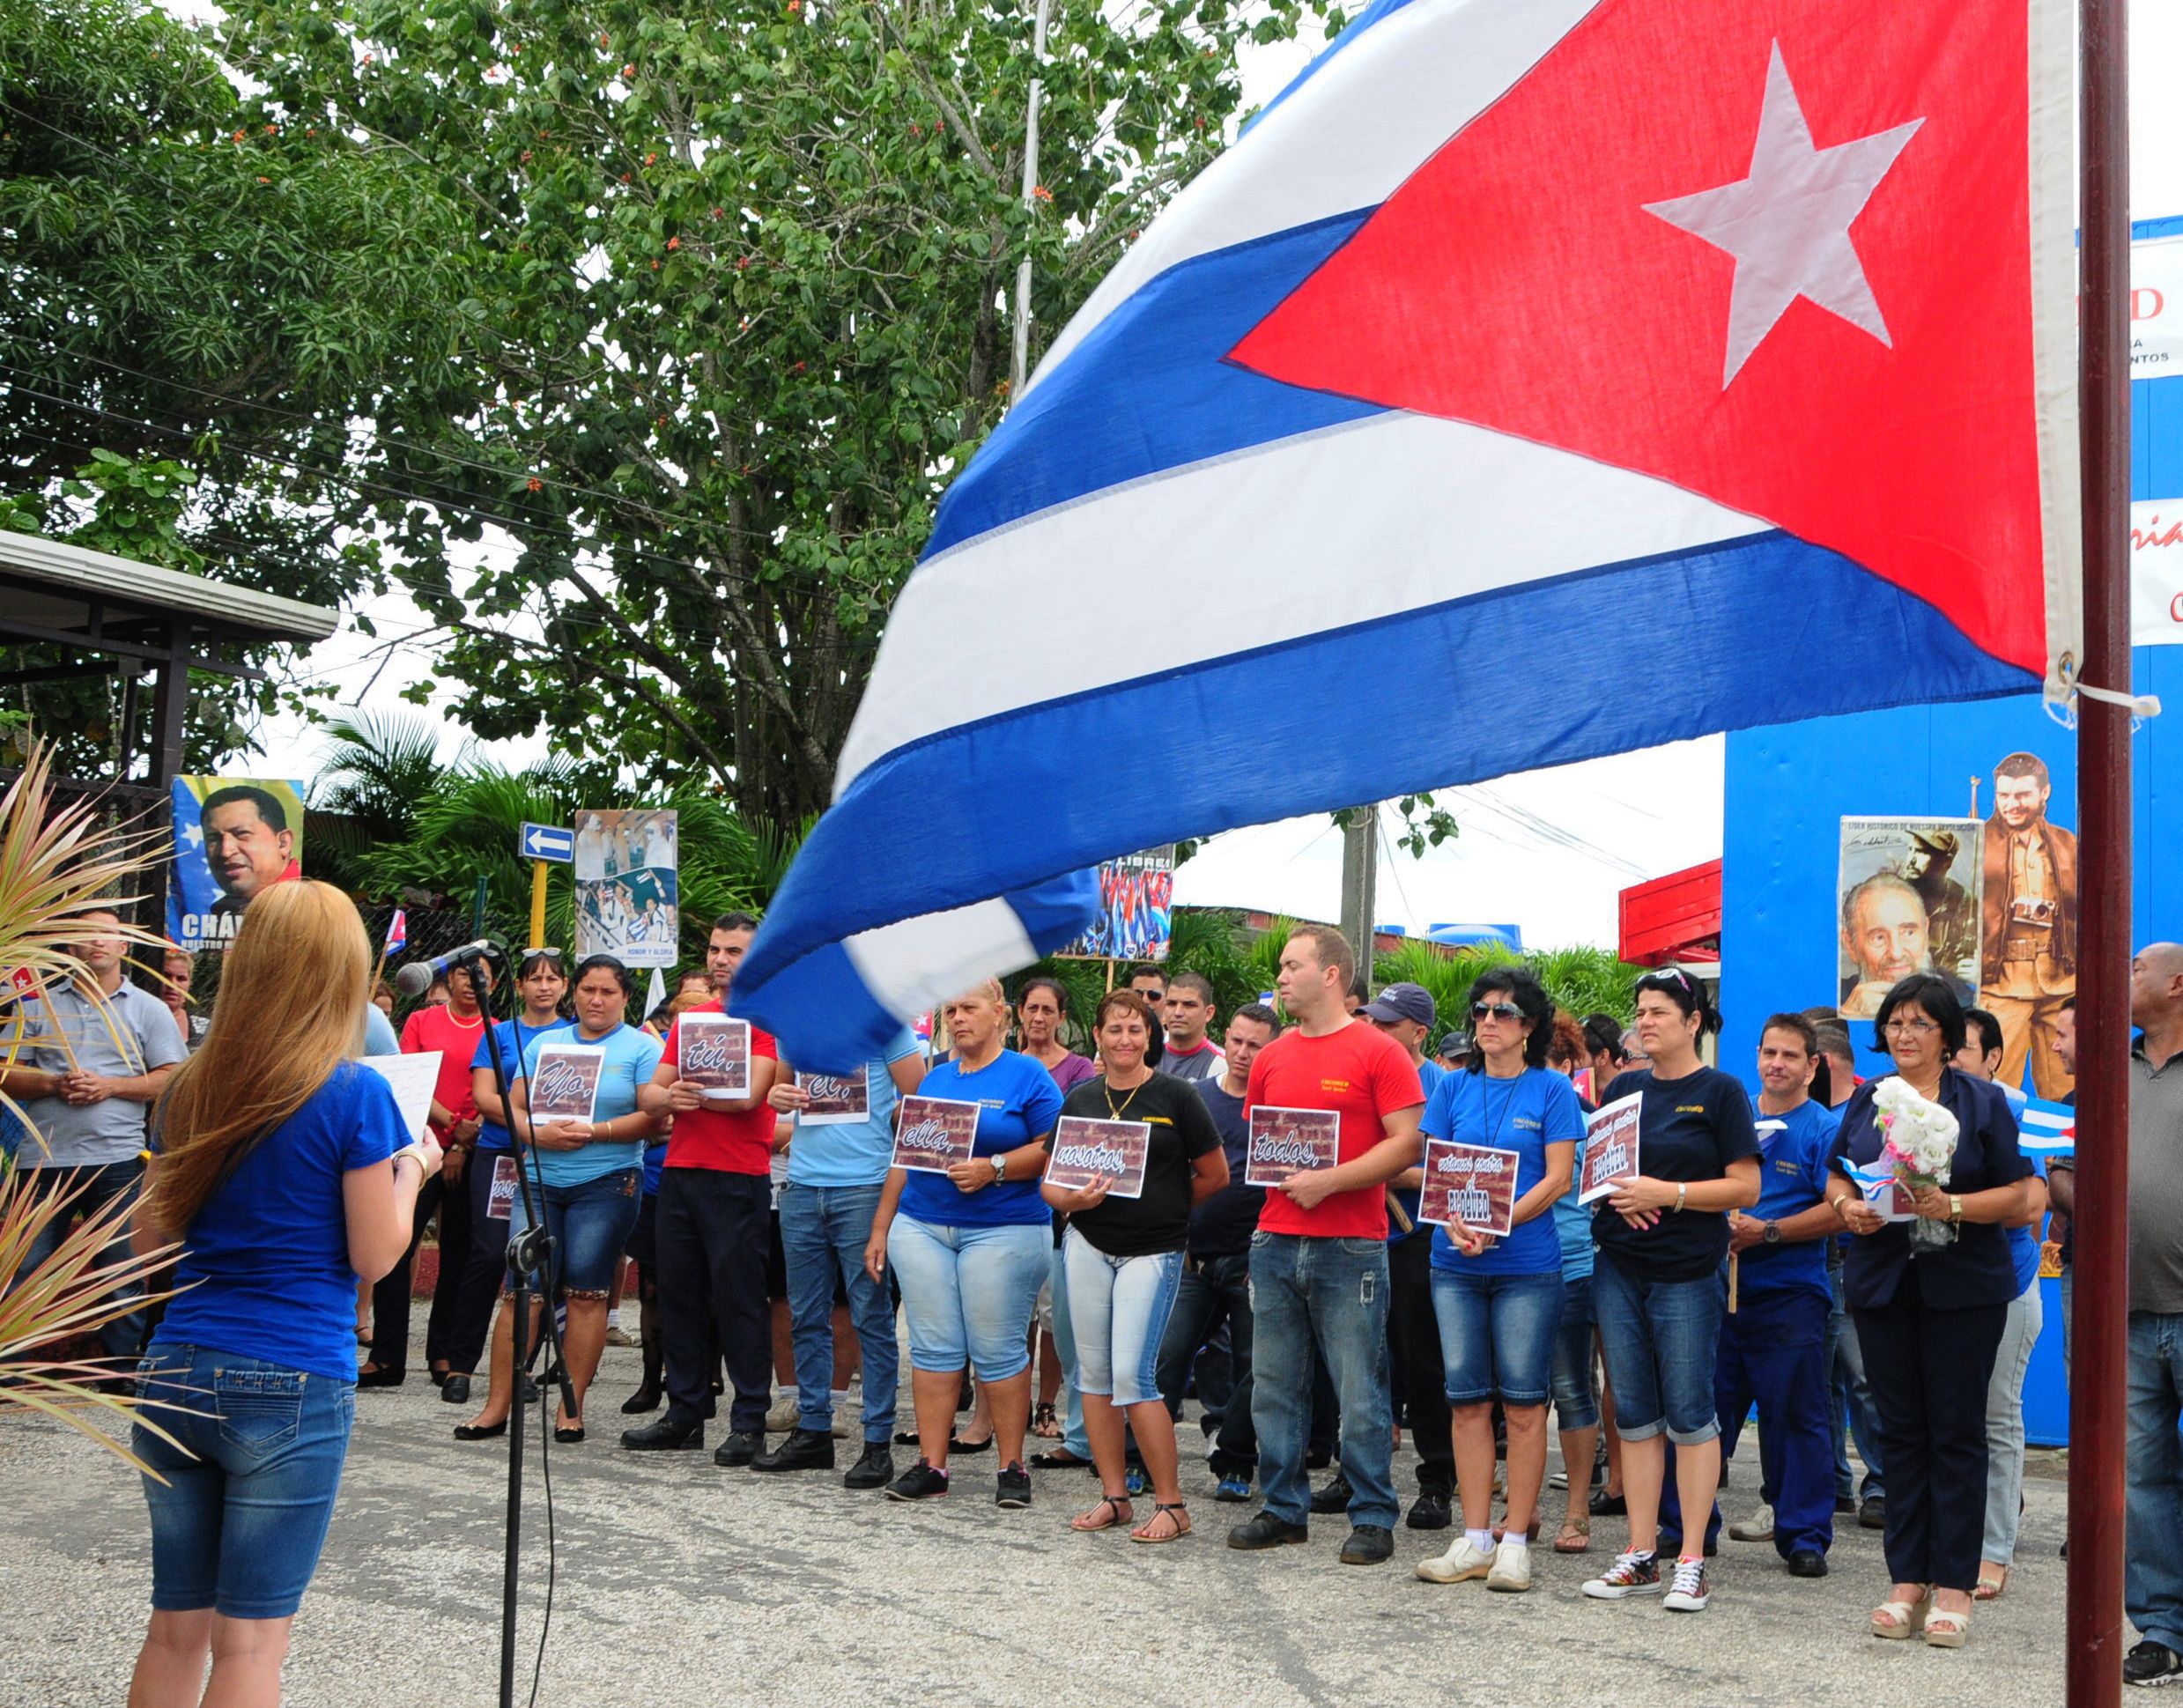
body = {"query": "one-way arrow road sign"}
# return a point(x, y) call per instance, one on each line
point(546, 842)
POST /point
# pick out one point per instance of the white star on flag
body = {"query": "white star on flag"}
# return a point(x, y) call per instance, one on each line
point(1788, 223)
point(193, 834)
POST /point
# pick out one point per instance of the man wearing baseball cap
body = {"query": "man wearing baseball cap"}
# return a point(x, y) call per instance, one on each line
point(1455, 1050)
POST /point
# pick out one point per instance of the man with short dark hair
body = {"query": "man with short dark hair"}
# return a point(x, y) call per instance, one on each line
point(1150, 983)
point(2029, 923)
point(247, 843)
point(1190, 1053)
point(1319, 1275)
point(87, 1104)
point(1849, 1400)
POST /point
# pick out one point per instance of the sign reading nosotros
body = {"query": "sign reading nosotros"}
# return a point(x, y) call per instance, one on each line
point(1085, 1149)
point(836, 1099)
point(564, 1084)
point(935, 1133)
point(1611, 1147)
point(1285, 1141)
point(1470, 1185)
point(714, 1051)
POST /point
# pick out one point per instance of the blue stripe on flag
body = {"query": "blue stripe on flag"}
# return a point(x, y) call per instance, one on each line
point(1150, 389)
point(1498, 682)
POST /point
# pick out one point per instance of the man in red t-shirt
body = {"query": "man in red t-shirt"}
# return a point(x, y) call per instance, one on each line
point(1322, 1276)
point(714, 1211)
point(452, 1028)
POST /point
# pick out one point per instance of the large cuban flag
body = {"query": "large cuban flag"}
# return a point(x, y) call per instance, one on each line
point(1574, 375)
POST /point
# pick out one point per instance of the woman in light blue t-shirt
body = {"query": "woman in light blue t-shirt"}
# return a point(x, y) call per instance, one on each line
point(584, 1175)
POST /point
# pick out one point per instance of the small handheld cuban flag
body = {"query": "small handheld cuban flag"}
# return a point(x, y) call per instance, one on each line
point(397, 931)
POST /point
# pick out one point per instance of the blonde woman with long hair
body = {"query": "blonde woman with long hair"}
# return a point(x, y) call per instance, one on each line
point(283, 1167)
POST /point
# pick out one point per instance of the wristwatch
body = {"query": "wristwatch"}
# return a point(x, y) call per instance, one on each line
point(1955, 1207)
point(1000, 1169)
point(1771, 1234)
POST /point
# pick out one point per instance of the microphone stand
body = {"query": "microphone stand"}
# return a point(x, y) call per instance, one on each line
point(532, 1250)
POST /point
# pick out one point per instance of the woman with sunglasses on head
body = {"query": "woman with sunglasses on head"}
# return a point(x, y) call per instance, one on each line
point(1499, 1298)
point(1663, 1236)
point(583, 1179)
point(1930, 1297)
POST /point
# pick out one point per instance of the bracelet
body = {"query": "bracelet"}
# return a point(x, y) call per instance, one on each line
point(1683, 1191)
point(1835, 1204)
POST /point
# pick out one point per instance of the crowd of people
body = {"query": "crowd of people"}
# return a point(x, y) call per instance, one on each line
point(1746, 1262)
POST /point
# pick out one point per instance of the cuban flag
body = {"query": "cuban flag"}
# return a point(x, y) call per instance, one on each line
point(1577, 374)
point(397, 931)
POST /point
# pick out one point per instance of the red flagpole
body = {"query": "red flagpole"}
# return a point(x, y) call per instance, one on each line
point(2100, 1332)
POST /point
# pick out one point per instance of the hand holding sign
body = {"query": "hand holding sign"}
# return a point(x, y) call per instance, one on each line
point(1094, 1159)
point(713, 1053)
point(1471, 1190)
point(1288, 1147)
point(936, 1135)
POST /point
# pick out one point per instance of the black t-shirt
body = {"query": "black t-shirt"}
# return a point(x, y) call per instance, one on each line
point(1222, 1226)
point(1158, 1220)
point(1688, 1129)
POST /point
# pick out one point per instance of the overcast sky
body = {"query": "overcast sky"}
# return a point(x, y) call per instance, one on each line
point(1545, 850)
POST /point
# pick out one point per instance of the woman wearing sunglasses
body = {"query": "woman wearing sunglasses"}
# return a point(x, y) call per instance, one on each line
point(1930, 1296)
point(1499, 1299)
point(1662, 1235)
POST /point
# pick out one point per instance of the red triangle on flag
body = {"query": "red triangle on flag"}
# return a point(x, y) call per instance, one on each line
point(1558, 272)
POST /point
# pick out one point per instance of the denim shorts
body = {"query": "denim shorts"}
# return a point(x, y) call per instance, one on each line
point(1576, 1400)
point(591, 1222)
point(968, 1292)
point(1497, 1335)
point(1660, 1340)
point(238, 1525)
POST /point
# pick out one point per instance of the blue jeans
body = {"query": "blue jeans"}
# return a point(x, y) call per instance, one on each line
point(1073, 1436)
point(1660, 1339)
point(590, 1224)
point(2152, 1579)
point(124, 1337)
point(1497, 1335)
point(969, 1292)
point(238, 1525)
point(1849, 1402)
point(1576, 1400)
point(1215, 1289)
point(1331, 1294)
point(1117, 1311)
point(823, 1232)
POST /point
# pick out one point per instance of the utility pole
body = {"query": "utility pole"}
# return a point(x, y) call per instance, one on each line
point(1360, 867)
point(1020, 360)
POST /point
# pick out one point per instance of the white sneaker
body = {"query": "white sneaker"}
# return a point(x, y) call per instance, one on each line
point(1689, 1593)
point(782, 1417)
point(1758, 1527)
point(1511, 1567)
point(1460, 1563)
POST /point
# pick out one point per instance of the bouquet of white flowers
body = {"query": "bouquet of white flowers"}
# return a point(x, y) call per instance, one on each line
point(1918, 1143)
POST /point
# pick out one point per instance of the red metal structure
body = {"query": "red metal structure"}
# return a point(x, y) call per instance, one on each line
point(1673, 919)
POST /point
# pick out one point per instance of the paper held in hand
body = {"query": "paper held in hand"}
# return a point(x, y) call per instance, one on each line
point(935, 1133)
point(564, 1084)
point(1284, 1141)
point(412, 1079)
point(1611, 1147)
point(714, 1051)
point(1085, 1149)
point(1471, 1184)
point(836, 1099)
point(1883, 1191)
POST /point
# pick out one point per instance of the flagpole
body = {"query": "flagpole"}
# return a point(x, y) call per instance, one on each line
point(2096, 1431)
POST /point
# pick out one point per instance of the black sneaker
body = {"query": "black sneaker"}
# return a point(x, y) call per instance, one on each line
point(921, 1482)
point(1012, 1488)
point(800, 1450)
point(1369, 1544)
point(1605, 1505)
point(1264, 1530)
point(740, 1448)
point(1844, 1506)
point(666, 1433)
point(1807, 1562)
point(1430, 1511)
point(1335, 1498)
point(1872, 1513)
point(874, 1470)
point(2153, 1663)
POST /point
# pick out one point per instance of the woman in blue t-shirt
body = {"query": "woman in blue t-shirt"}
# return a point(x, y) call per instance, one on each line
point(282, 1169)
point(971, 1246)
point(584, 1175)
point(1499, 1299)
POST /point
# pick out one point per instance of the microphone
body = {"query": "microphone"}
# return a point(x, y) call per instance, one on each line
point(416, 978)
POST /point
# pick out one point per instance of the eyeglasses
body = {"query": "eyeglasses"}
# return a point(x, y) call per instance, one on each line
point(1902, 1028)
point(1498, 1010)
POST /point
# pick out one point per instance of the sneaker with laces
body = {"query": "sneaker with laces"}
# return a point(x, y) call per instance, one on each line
point(1511, 1567)
point(1631, 1574)
point(1689, 1592)
point(1013, 1489)
point(1462, 1562)
point(787, 1409)
point(921, 1482)
point(2152, 1664)
point(1758, 1527)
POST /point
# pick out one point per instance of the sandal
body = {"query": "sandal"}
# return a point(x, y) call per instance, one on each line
point(1115, 1507)
point(1059, 1460)
point(1944, 1630)
point(1991, 1589)
point(1575, 1537)
point(480, 1431)
point(1178, 1517)
point(1897, 1622)
point(1043, 1422)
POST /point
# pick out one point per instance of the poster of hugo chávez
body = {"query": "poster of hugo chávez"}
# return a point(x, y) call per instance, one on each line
point(234, 837)
point(1906, 900)
point(627, 890)
point(1136, 909)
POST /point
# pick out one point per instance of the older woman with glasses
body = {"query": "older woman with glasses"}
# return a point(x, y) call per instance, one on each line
point(1930, 1296)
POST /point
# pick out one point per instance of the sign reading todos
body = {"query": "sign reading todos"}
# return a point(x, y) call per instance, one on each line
point(1284, 1141)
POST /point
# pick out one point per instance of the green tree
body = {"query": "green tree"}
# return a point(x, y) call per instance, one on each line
point(739, 296)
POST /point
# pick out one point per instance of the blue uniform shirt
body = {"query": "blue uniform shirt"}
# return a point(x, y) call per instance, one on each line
point(1524, 1114)
point(1017, 1101)
point(632, 1055)
point(1792, 1179)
